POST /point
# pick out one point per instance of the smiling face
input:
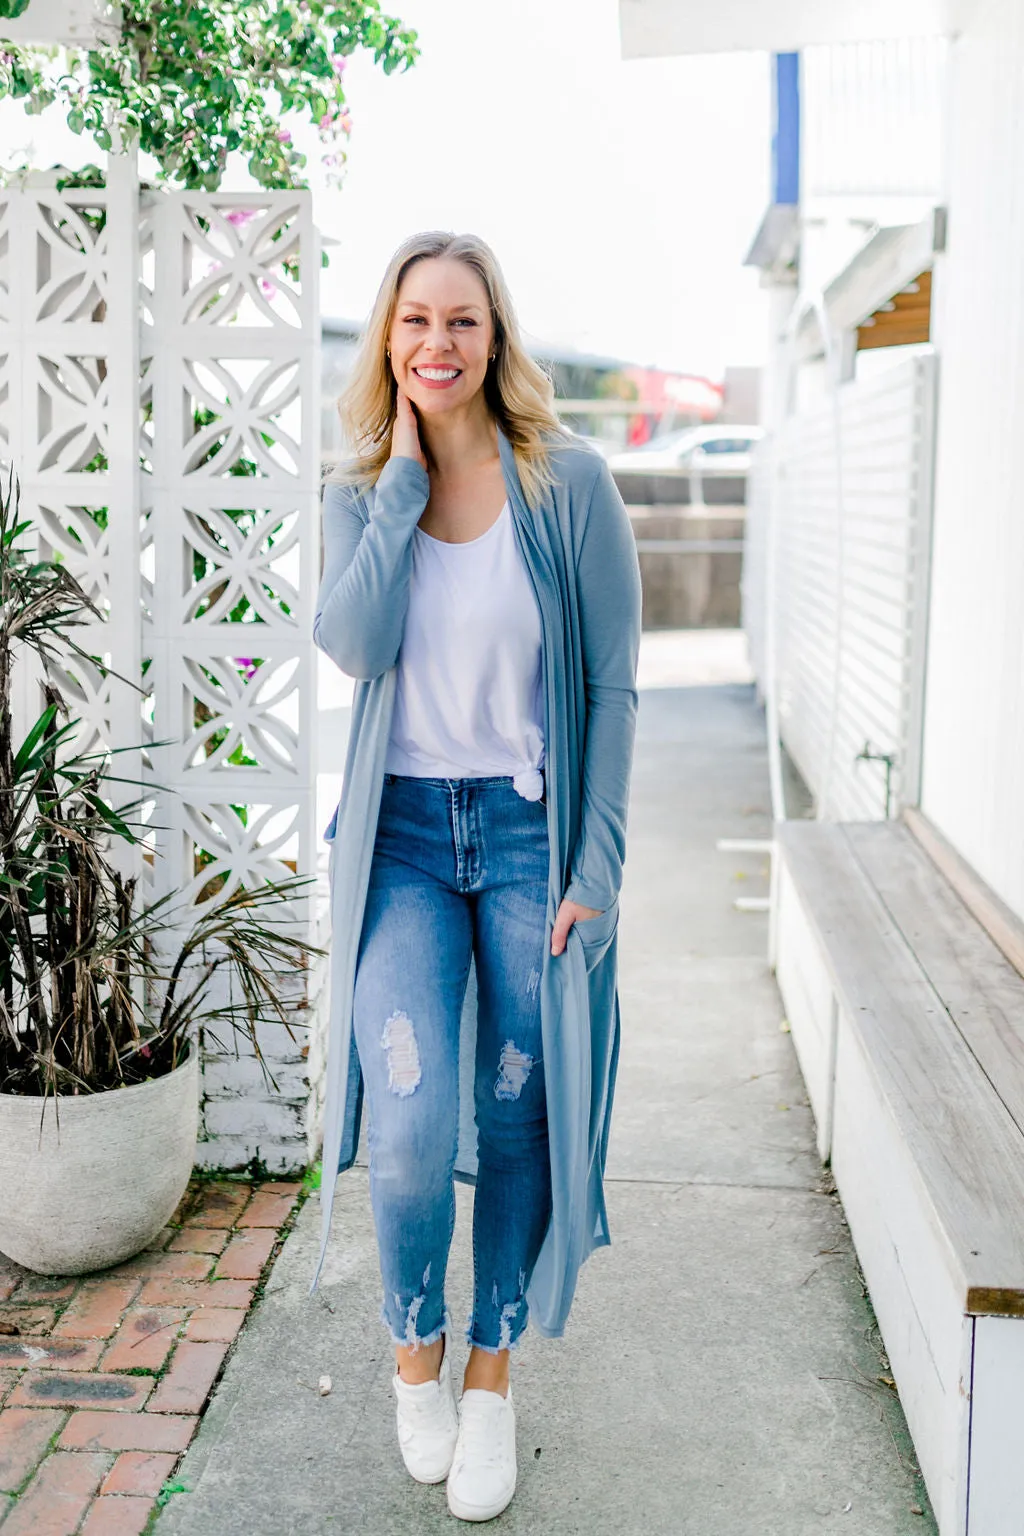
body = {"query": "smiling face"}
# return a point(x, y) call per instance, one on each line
point(441, 335)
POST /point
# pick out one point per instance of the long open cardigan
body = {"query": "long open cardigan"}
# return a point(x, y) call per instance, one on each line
point(581, 558)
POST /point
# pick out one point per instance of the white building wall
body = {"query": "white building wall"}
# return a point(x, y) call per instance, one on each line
point(974, 707)
point(873, 144)
point(872, 118)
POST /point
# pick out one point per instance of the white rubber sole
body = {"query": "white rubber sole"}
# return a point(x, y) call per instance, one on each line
point(419, 1477)
point(476, 1512)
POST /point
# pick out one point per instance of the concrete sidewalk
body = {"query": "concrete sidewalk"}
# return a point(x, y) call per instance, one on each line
point(720, 1374)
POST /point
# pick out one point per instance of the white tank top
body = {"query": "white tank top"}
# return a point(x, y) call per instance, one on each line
point(469, 700)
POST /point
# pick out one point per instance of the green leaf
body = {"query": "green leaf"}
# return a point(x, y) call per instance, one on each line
point(168, 1491)
point(110, 817)
point(16, 532)
point(192, 81)
point(35, 735)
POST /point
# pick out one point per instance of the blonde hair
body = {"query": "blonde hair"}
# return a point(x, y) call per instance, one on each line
point(519, 394)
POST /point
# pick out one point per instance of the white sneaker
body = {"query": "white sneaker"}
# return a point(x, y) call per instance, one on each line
point(483, 1475)
point(428, 1424)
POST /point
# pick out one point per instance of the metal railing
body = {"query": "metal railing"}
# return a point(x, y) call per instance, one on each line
point(689, 546)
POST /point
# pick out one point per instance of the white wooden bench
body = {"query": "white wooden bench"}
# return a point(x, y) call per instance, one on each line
point(908, 1022)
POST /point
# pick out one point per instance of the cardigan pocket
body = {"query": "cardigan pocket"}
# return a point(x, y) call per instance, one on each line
point(596, 933)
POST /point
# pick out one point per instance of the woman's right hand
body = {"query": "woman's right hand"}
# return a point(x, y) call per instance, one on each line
point(405, 435)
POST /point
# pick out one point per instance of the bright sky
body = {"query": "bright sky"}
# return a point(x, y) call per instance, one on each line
point(620, 197)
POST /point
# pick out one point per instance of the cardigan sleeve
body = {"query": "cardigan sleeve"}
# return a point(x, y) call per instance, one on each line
point(608, 588)
point(364, 588)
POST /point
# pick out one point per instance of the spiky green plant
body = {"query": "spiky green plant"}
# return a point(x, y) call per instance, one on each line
point(96, 990)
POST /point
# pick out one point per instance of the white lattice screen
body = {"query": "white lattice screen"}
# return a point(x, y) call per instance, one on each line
point(68, 416)
point(159, 400)
point(231, 362)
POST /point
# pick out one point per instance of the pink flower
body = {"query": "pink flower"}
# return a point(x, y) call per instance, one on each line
point(345, 122)
point(338, 63)
point(239, 216)
point(326, 122)
point(249, 666)
point(284, 135)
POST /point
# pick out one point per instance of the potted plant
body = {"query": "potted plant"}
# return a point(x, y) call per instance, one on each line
point(101, 996)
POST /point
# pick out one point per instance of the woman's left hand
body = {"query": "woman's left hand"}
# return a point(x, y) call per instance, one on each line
point(568, 913)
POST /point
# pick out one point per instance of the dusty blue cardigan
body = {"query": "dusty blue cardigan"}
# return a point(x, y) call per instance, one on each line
point(581, 558)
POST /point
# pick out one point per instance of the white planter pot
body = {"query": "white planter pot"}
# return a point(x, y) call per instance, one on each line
point(96, 1189)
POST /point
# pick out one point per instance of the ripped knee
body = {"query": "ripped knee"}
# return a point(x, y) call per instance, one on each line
point(398, 1039)
point(514, 1067)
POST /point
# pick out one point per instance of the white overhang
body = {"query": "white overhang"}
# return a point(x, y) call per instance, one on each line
point(776, 245)
point(651, 28)
point(75, 23)
point(885, 265)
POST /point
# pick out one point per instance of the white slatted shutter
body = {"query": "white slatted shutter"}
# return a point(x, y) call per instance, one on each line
point(844, 490)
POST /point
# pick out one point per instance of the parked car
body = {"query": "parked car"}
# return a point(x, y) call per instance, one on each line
point(707, 451)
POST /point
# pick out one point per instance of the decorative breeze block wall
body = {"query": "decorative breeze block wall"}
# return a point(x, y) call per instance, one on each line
point(159, 400)
point(68, 390)
point(230, 359)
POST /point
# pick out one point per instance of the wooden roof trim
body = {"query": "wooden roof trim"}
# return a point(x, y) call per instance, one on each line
point(892, 260)
point(903, 319)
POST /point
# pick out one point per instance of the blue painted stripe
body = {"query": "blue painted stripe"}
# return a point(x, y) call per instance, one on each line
point(786, 138)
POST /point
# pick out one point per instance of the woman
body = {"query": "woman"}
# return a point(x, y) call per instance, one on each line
point(480, 580)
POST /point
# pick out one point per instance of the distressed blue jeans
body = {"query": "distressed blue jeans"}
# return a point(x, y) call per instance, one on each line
point(460, 870)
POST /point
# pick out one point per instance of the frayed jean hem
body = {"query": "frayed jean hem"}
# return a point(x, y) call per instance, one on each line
point(401, 1341)
point(506, 1339)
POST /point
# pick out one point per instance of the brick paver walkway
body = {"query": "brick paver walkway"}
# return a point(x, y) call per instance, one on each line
point(103, 1378)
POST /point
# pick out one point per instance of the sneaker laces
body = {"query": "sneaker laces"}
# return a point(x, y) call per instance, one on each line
point(479, 1440)
point(423, 1406)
